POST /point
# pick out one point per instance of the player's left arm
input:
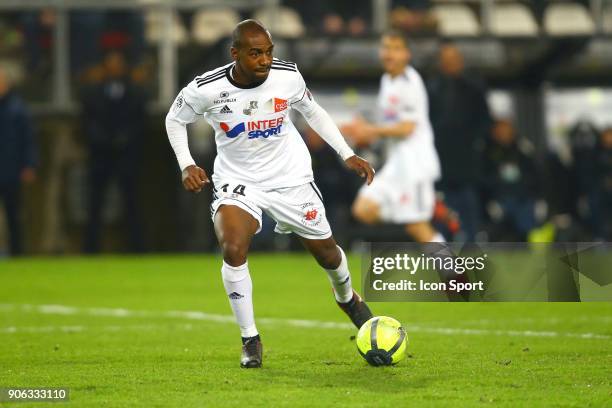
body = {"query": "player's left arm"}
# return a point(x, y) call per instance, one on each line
point(412, 107)
point(362, 131)
point(320, 121)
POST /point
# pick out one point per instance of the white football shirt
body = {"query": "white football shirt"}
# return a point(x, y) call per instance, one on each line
point(414, 158)
point(257, 144)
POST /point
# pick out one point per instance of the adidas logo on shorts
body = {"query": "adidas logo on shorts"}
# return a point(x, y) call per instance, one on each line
point(226, 109)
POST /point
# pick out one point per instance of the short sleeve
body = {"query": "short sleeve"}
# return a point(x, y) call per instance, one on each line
point(302, 98)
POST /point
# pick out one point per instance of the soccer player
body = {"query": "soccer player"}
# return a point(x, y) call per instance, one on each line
point(403, 191)
point(262, 164)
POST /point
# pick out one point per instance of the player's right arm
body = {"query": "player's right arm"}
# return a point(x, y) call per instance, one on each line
point(185, 109)
point(320, 121)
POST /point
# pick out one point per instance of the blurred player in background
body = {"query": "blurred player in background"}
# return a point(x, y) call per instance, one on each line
point(262, 164)
point(461, 121)
point(17, 157)
point(403, 192)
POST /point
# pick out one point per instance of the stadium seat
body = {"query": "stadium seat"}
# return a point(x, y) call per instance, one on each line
point(154, 28)
point(513, 19)
point(456, 20)
point(284, 22)
point(210, 25)
point(563, 19)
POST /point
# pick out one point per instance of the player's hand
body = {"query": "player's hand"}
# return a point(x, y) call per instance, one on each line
point(360, 132)
point(194, 179)
point(361, 167)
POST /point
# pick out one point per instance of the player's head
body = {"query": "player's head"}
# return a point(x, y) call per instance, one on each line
point(450, 60)
point(503, 132)
point(115, 65)
point(252, 50)
point(394, 52)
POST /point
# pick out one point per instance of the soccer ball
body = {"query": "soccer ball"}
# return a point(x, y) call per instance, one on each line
point(382, 341)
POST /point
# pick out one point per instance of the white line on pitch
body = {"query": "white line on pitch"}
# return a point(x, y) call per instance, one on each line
point(77, 329)
point(196, 315)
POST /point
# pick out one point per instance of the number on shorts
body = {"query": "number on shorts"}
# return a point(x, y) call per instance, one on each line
point(239, 189)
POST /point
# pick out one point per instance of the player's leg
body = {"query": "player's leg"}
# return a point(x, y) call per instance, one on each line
point(366, 210)
point(332, 258)
point(423, 231)
point(414, 205)
point(373, 203)
point(11, 197)
point(235, 229)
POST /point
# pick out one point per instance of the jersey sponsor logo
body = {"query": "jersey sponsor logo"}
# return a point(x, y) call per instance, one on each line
point(255, 129)
point(225, 100)
point(233, 132)
point(390, 115)
point(279, 105)
point(223, 94)
point(275, 105)
point(225, 109)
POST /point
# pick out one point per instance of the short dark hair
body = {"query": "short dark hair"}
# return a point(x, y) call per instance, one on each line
point(250, 26)
point(395, 33)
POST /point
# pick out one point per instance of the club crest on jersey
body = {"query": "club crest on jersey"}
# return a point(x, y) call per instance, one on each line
point(251, 108)
point(255, 129)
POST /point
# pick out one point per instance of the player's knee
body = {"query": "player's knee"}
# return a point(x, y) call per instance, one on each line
point(234, 252)
point(420, 232)
point(364, 212)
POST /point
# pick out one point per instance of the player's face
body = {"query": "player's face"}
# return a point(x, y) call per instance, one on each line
point(503, 132)
point(394, 54)
point(255, 56)
point(451, 60)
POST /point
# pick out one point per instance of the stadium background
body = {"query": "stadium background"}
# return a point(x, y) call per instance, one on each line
point(544, 66)
point(156, 330)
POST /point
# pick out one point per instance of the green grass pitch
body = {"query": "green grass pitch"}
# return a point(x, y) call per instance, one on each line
point(118, 332)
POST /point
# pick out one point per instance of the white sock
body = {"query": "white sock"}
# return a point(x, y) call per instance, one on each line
point(340, 279)
point(438, 237)
point(239, 289)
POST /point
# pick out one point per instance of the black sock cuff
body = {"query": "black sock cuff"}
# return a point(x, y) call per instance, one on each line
point(245, 339)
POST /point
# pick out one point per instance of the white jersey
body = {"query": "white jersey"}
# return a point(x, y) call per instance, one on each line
point(257, 144)
point(414, 158)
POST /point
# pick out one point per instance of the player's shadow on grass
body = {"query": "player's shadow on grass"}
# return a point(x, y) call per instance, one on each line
point(361, 377)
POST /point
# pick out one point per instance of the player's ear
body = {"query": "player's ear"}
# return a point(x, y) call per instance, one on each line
point(234, 53)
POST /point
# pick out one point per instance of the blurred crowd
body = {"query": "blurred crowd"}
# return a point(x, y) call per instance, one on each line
point(495, 185)
point(493, 180)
